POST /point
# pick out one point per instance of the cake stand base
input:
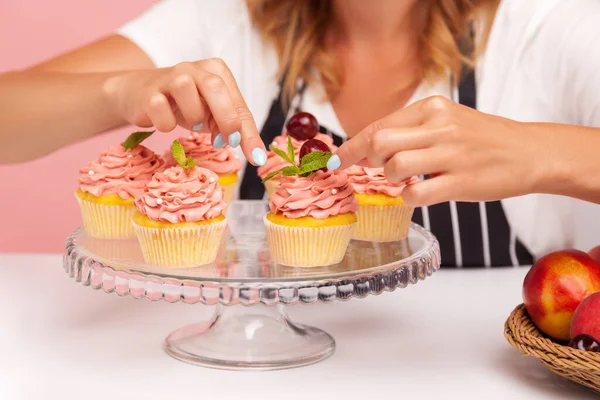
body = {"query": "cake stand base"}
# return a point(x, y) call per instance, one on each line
point(249, 338)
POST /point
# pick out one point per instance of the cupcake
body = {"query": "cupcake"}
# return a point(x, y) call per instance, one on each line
point(108, 187)
point(224, 162)
point(301, 127)
point(179, 220)
point(382, 214)
point(312, 212)
point(311, 220)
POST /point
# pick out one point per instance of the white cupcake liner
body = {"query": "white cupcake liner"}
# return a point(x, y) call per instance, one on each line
point(270, 186)
point(107, 221)
point(307, 247)
point(187, 247)
point(383, 223)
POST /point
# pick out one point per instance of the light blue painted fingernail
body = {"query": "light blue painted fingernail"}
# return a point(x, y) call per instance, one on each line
point(234, 139)
point(198, 127)
point(334, 163)
point(219, 143)
point(259, 156)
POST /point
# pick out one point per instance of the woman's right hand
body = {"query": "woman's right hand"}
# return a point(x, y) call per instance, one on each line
point(201, 95)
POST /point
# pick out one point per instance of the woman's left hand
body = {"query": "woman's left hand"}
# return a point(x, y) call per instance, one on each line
point(469, 155)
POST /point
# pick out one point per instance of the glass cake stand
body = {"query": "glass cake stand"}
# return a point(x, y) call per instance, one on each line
point(262, 336)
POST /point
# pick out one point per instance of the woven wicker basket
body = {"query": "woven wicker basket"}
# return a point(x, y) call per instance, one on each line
point(579, 366)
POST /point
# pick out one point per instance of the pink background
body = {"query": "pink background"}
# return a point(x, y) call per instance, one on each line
point(37, 203)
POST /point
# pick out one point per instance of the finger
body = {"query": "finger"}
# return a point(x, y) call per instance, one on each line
point(415, 115)
point(252, 145)
point(212, 127)
point(407, 164)
point(160, 113)
point(184, 92)
point(216, 94)
point(386, 143)
point(375, 149)
point(357, 149)
point(430, 191)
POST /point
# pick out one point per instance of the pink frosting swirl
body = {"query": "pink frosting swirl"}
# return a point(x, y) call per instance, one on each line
point(120, 171)
point(321, 195)
point(180, 195)
point(199, 146)
point(274, 162)
point(373, 181)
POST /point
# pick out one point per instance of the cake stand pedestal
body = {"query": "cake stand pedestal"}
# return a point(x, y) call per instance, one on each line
point(257, 333)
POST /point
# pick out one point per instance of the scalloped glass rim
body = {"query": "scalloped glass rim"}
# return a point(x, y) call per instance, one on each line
point(244, 274)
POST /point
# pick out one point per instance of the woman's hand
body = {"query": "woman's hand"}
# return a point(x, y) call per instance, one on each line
point(470, 156)
point(200, 95)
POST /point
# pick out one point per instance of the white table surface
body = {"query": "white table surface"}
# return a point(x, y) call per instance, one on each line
point(440, 339)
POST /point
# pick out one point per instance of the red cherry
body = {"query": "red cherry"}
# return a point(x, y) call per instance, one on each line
point(302, 126)
point(313, 145)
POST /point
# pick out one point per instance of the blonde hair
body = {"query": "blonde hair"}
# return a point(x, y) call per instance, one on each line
point(297, 30)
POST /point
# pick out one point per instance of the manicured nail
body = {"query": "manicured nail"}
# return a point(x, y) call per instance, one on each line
point(334, 163)
point(198, 127)
point(259, 156)
point(219, 143)
point(234, 139)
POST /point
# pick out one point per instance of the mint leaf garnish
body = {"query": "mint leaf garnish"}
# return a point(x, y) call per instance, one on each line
point(291, 150)
point(179, 156)
point(178, 153)
point(282, 154)
point(190, 163)
point(310, 163)
point(290, 171)
point(314, 161)
point(135, 139)
point(271, 175)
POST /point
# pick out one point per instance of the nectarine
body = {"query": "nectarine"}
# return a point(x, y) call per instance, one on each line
point(555, 285)
point(595, 254)
point(586, 320)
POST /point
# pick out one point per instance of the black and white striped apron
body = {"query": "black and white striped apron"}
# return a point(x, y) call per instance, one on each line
point(470, 234)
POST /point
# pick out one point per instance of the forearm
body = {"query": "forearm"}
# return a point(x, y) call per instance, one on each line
point(43, 111)
point(569, 160)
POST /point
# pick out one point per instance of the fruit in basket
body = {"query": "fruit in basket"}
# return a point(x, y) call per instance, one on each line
point(585, 327)
point(302, 126)
point(554, 287)
point(595, 254)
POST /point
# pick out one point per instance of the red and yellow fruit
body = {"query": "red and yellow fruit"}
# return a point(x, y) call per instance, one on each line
point(555, 286)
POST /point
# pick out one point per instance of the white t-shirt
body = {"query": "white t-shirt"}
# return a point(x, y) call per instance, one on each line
point(541, 64)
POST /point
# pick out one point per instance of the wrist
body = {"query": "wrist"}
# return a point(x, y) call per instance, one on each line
point(547, 170)
point(561, 159)
point(112, 89)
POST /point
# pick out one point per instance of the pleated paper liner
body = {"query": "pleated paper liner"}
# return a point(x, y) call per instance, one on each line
point(182, 247)
point(578, 366)
point(383, 223)
point(308, 247)
point(106, 221)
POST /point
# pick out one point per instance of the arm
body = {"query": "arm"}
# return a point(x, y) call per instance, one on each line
point(115, 82)
point(63, 100)
point(473, 156)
